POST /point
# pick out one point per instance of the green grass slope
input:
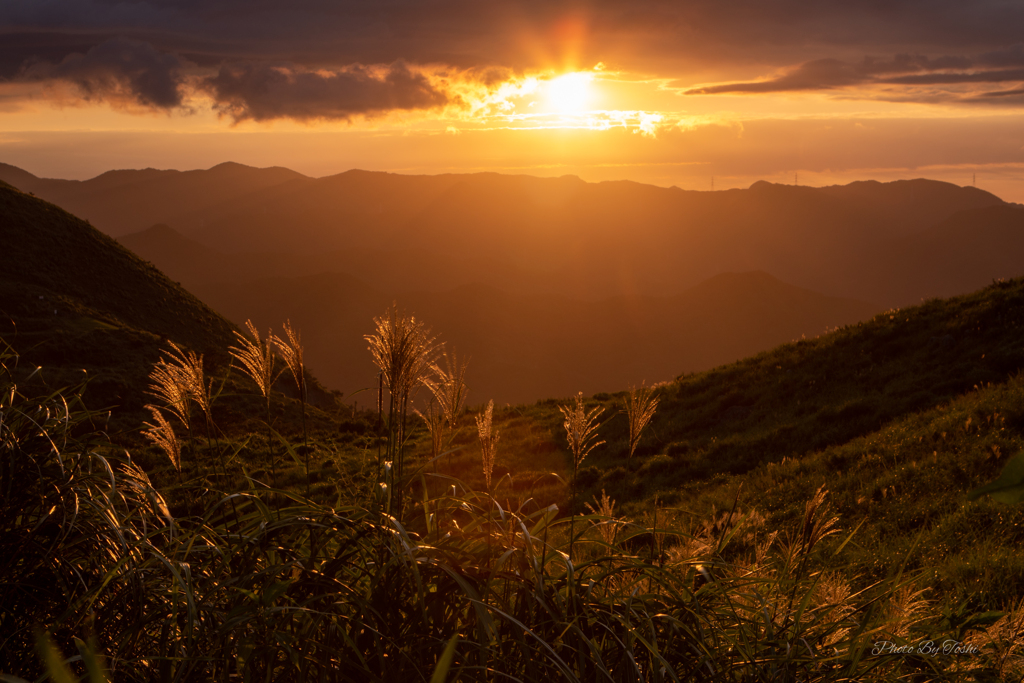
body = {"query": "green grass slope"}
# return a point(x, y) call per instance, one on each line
point(899, 417)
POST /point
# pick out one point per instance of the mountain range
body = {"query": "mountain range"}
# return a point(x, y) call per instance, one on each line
point(549, 285)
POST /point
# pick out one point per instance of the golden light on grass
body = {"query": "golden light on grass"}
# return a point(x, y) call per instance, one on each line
point(569, 94)
point(488, 441)
point(256, 359)
point(179, 382)
point(162, 435)
point(639, 408)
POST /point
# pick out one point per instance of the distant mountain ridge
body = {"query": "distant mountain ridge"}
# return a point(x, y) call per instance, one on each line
point(116, 201)
point(552, 284)
point(588, 240)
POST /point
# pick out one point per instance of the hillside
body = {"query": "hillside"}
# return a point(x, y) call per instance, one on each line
point(899, 417)
point(72, 298)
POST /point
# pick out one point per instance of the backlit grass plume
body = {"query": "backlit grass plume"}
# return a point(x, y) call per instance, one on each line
point(488, 441)
point(605, 508)
point(168, 385)
point(290, 349)
point(581, 432)
point(639, 408)
point(256, 358)
point(179, 382)
point(162, 435)
point(403, 350)
point(433, 417)
point(448, 385)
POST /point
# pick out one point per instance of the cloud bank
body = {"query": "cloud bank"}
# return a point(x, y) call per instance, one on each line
point(336, 59)
point(265, 91)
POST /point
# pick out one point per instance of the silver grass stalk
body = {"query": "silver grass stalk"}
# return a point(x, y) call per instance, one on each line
point(448, 385)
point(162, 435)
point(433, 417)
point(639, 408)
point(179, 382)
point(580, 430)
point(605, 508)
point(402, 349)
point(488, 441)
point(255, 358)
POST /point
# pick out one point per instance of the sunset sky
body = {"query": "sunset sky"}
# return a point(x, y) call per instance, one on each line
point(661, 91)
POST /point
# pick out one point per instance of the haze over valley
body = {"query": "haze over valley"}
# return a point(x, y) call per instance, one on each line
point(549, 285)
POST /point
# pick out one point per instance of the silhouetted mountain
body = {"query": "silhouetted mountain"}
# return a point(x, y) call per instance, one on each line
point(588, 240)
point(601, 239)
point(552, 262)
point(119, 202)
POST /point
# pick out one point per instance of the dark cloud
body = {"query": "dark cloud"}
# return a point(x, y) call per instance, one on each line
point(1012, 98)
point(992, 76)
point(638, 35)
point(816, 75)
point(118, 70)
point(912, 70)
point(1012, 56)
point(265, 91)
point(708, 40)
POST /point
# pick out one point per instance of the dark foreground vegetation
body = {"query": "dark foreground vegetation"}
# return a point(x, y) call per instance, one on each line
point(201, 509)
point(205, 572)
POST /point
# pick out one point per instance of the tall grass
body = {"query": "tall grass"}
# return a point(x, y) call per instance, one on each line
point(256, 359)
point(488, 441)
point(180, 382)
point(403, 351)
point(306, 592)
point(639, 406)
point(261, 584)
point(447, 385)
point(581, 433)
point(162, 435)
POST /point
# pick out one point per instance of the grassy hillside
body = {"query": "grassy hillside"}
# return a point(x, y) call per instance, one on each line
point(899, 417)
point(687, 575)
point(278, 552)
point(72, 298)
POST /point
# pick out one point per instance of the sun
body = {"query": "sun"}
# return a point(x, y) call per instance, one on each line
point(568, 94)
